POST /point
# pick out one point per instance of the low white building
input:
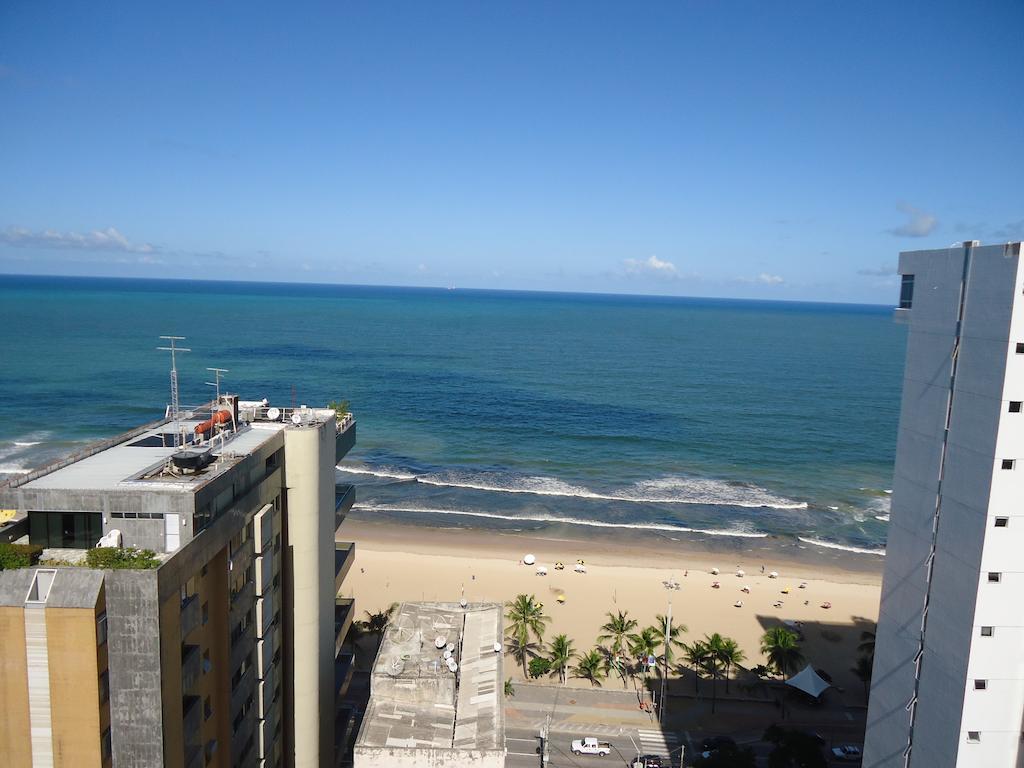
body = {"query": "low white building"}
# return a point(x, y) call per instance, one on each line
point(436, 691)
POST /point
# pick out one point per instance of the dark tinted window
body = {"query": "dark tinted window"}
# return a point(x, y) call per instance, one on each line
point(907, 292)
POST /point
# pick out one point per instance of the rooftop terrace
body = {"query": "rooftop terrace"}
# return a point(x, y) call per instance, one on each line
point(416, 702)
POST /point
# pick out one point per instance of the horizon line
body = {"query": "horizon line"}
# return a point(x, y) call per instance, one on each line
point(452, 288)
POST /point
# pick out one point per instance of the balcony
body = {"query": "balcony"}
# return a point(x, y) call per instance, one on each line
point(241, 602)
point(191, 719)
point(344, 498)
point(346, 437)
point(193, 756)
point(344, 668)
point(245, 734)
point(241, 649)
point(190, 615)
point(190, 668)
point(344, 556)
point(264, 571)
point(245, 688)
point(344, 610)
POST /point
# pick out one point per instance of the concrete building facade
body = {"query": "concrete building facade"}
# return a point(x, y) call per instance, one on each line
point(226, 653)
point(948, 679)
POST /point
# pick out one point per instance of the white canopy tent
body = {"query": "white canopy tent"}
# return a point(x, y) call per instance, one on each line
point(809, 681)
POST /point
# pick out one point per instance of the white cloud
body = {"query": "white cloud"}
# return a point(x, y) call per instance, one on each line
point(650, 266)
point(764, 278)
point(109, 240)
point(918, 223)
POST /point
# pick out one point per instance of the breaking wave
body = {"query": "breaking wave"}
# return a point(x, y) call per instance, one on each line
point(843, 547)
point(666, 490)
point(563, 520)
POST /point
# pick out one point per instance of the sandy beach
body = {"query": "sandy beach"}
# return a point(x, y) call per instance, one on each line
point(397, 563)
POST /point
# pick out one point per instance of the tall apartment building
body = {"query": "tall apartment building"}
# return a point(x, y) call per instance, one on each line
point(948, 681)
point(224, 654)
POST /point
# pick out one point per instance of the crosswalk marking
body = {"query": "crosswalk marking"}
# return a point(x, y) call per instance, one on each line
point(658, 742)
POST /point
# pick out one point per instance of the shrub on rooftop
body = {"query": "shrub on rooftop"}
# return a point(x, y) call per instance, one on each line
point(19, 555)
point(112, 558)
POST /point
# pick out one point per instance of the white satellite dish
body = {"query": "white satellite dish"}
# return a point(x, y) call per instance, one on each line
point(273, 414)
point(296, 418)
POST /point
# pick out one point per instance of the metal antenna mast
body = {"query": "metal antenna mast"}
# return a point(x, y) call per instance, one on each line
point(216, 372)
point(175, 407)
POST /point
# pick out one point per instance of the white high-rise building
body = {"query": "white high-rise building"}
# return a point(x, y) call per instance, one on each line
point(948, 682)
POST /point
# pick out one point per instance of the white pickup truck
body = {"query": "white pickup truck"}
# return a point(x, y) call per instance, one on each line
point(591, 746)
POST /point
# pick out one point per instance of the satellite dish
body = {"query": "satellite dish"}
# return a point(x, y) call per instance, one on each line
point(296, 418)
point(274, 414)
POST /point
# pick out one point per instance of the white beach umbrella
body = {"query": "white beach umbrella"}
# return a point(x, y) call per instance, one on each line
point(529, 559)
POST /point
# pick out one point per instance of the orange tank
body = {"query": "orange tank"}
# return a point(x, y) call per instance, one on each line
point(220, 417)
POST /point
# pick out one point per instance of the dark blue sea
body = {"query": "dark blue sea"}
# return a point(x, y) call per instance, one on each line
point(497, 409)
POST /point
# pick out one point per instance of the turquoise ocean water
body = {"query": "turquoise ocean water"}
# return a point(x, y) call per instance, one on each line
point(494, 409)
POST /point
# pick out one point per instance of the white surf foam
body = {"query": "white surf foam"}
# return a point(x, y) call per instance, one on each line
point(26, 443)
point(883, 518)
point(13, 469)
point(380, 472)
point(843, 547)
point(667, 490)
point(565, 520)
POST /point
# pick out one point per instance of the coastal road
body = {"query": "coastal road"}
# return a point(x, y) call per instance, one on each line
point(522, 744)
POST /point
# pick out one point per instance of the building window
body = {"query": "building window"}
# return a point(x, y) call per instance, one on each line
point(211, 750)
point(987, 631)
point(105, 745)
point(1015, 406)
point(994, 577)
point(980, 685)
point(907, 292)
point(101, 628)
point(1008, 463)
point(974, 736)
point(207, 664)
point(206, 613)
point(104, 687)
point(1020, 348)
point(1002, 522)
point(207, 709)
point(65, 530)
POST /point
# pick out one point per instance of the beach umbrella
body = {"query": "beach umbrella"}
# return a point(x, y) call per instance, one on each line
point(773, 575)
point(560, 598)
point(529, 559)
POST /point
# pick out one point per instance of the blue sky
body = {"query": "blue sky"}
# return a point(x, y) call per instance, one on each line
point(750, 149)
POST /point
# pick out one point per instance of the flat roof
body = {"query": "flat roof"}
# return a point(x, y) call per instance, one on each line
point(416, 702)
point(136, 461)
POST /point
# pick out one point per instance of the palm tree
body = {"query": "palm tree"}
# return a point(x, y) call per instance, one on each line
point(731, 656)
point(591, 666)
point(617, 630)
point(674, 631)
point(711, 663)
point(378, 622)
point(783, 652)
point(642, 645)
point(694, 655)
point(863, 672)
point(510, 689)
point(561, 653)
point(525, 618)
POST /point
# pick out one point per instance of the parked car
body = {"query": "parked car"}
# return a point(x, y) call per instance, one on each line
point(650, 761)
point(847, 752)
point(591, 746)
